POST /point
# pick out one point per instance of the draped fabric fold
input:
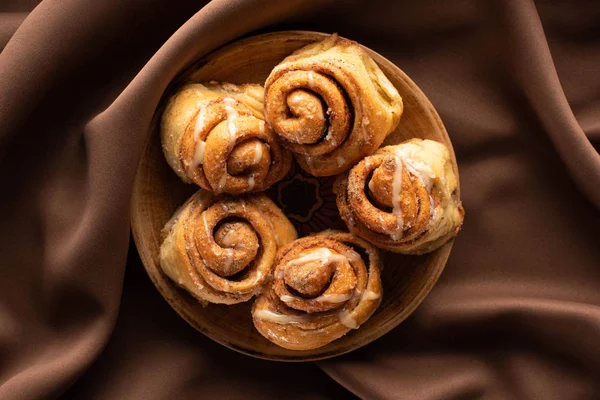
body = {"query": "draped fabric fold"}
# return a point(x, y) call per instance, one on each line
point(516, 312)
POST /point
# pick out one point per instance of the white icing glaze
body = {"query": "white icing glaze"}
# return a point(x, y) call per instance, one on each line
point(396, 191)
point(199, 145)
point(353, 256)
point(207, 229)
point(258, 152)
point(228, 257)
point(340, 161)
point(286, 298)
point(371, 185)
point(229, 239)
point(334, 297)
point(232, 114)
point(280, 272)
point(434, 211)
point(200, 122)
point(281, 319)
point(311, 80)
point(199, 153)
point(295, 100)
point(421, 170)
point(232, 138)
point(369, 295)
point(322, 254)
point(347, 319)
point(251, 182)
point(413, 156)
point(222, 181)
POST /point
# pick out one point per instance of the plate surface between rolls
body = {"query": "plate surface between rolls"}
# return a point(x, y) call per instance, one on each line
point(158, 192)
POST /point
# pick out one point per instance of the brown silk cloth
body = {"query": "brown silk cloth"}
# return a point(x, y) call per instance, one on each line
point(516, 314)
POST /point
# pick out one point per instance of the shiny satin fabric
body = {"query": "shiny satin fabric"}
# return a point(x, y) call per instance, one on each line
point(516, 313)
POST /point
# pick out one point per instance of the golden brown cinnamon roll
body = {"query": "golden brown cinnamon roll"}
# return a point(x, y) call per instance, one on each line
point(222, 249)
point(322, 288)
point(331, 105)
point(214, 135)
point(403, 198)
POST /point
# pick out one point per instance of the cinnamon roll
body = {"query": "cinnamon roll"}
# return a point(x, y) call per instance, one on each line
point(214, 135)
point(331, 105)
point(222, 249)
point(403, 198)
point(323, 286)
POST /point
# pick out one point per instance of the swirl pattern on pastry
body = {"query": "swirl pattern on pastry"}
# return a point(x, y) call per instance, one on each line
point(331, 105)
point(322, 288)
point(214, 135)
point(222, 249)
point(403, 198)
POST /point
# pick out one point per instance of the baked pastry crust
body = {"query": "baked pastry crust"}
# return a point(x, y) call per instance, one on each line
point(331, 105)
point(222, 249)
point(403, 198)
point(214, 135)
point(322, 288)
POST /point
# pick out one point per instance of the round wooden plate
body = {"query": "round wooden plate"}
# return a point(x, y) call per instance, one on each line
point(158, 192)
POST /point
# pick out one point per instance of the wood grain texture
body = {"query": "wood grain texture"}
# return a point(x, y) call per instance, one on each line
point(158, 192)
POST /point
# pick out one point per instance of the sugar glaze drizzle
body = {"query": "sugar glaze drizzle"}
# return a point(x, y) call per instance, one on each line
point(396, 191)
point(324, 298)
point(347, 319)
point(311, 80)
point(322, 254)
point(258, 153)
point(232, 114)
point(199, 145)
point(369, 295)
point(282, 319)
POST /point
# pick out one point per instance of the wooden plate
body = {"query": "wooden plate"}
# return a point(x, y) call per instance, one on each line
point(158, 192)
